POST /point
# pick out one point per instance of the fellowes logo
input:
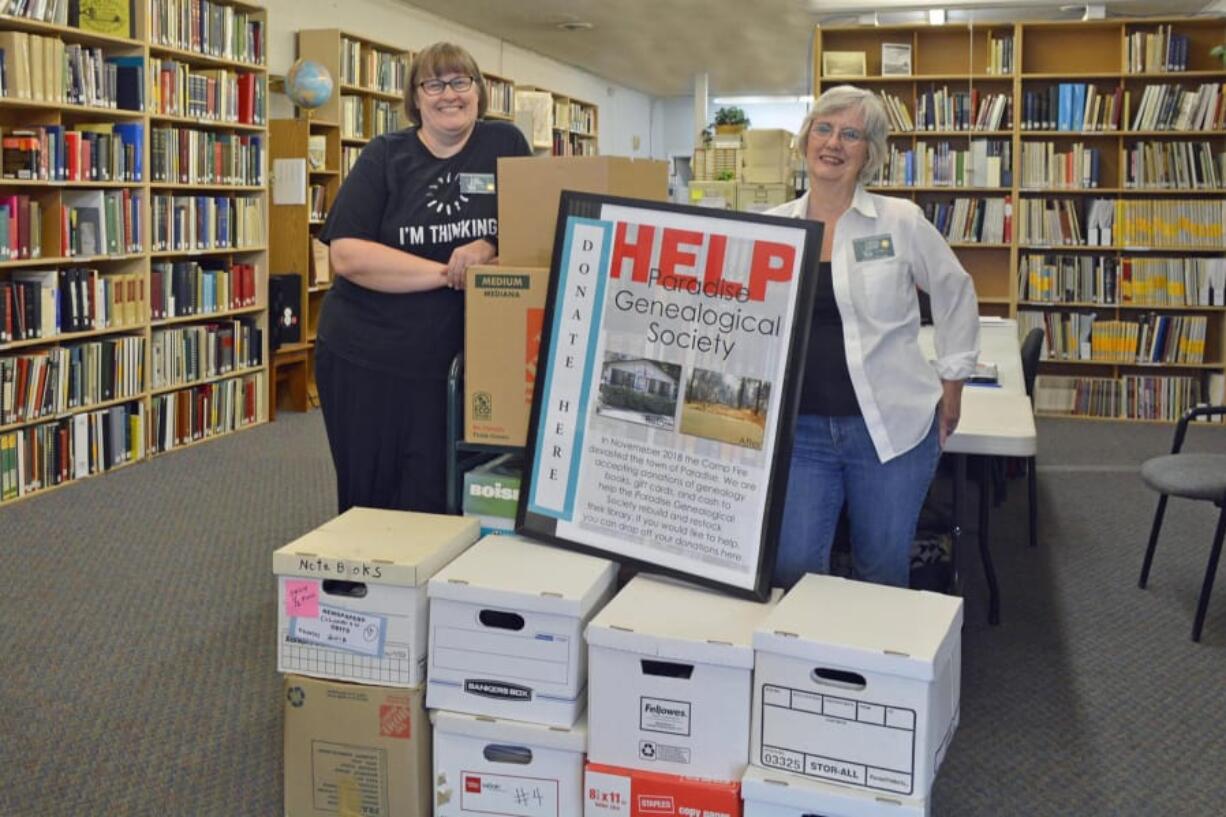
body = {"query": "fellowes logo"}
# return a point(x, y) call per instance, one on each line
point(655, 804)
point(667, 711)
point(497, 689)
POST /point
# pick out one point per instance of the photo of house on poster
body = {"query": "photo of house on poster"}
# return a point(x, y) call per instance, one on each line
point(667, 386)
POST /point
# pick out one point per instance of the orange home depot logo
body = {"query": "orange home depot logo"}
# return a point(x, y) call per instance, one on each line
point(395, 721)
point(533, 322)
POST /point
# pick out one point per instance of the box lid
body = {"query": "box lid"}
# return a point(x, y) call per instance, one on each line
point(829, 799)
point(512, 572)
point(503, 730)
point(870, 626)
point(668, 618)
point(378, 546)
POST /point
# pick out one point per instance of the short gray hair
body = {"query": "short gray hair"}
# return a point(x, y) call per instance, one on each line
point(876, 123)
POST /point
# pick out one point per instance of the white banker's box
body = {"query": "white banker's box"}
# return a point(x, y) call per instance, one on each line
point(858, 684)
point(767, 793)
point(351, 594)
point(489, 766)
point(670, 679)
point(506, 630)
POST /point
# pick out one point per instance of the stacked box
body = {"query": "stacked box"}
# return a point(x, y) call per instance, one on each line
point(720, 195)
point(758, 198)
point(610, 791)
point(491, 493)
point(767, 157)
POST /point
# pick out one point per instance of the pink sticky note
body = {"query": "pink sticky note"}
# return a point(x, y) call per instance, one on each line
point(302, 598)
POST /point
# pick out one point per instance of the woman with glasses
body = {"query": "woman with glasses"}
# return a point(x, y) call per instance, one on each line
point(418, 208)
point(874, 412)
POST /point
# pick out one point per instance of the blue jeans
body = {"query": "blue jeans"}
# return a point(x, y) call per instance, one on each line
point(833, 459)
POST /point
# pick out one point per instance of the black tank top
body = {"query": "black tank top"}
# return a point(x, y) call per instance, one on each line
point(827, 388)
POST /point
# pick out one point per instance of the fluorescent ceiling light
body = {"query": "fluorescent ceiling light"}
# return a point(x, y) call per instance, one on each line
point(936, 17)
point(760, 100)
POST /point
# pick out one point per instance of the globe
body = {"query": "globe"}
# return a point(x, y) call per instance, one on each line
point(308, 84)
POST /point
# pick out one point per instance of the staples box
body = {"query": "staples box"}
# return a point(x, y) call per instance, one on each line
point(858, 684)
point(610, 791)
point(529, 191)
point(488, 766)
point(670, 679)
point(491, 493)
point(352, 749)
point(505, 309)
point(779, 794)
point(351, 594)
point(506, 630)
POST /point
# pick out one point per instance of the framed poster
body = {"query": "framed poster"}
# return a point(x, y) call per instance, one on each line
point(895, 59)
point(667, 386)
point(843, 64)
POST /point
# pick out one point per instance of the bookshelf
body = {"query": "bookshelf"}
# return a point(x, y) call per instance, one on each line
point(1154, 277)
point(133, 294)
point(560, 125)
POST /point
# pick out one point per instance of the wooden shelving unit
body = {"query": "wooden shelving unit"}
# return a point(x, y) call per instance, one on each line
point(573, 125)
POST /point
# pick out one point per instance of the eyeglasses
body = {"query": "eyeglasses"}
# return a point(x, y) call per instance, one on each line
point(826, 130)
point(434, 87)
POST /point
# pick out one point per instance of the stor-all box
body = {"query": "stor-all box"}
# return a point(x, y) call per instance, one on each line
point(355, 749)
point(769, 793)
point(529, 190)
point(491, 766)
point(670, 679)
point(506, 630)
point(351, 594)
point(611, 791)
point(505, 310)
point(857, 684)
point(491, 493)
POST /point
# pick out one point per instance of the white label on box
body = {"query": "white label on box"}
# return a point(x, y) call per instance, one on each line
point(663, 715)
point(858, 743)
point(503, 794)
point(341, 629)
point(654, 750)
point(349, 779)
point(607, 794)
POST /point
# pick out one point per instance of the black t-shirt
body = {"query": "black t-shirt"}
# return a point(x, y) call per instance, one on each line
point(400, 194)
point(827, 388)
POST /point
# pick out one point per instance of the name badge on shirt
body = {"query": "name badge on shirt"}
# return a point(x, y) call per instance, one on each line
point(480, 183)
point(874, 247)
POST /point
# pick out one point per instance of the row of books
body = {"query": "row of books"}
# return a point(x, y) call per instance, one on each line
point(205, 27)
point(384, 117)
point(1170, 107)
point(570, 144)
point(897, 111)
point(101, 222)
point(318, 201)
point(1081, 278)
point(182, 223)
point(46, 69)
point(981, 163)
point(210, 409)
point(1045, 165)
point(581, 119)
point(63, 378)
point(353, 117)
point(1131, 397)
point(21, 227)
point(1055, 222)
point(349, 158)
point(214, 94)
point(1174, 165)
point(1000, 53)
point(1074, 106)
point(942, 109)
point(1194, 223)
point(46, 303)
point(184, 288)
point(373, 68)
point(972, 220)
point(98, 152)
point(184, 355)
point(501, 95)
point(190, 156)
point(1150, 339)
point(1160, 50)
point(72, 448)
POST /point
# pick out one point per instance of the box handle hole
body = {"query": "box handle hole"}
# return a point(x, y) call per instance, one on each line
point(338, 587)
point(501, 753)
point(501, 620)
point(667, 669)
point(838, 678)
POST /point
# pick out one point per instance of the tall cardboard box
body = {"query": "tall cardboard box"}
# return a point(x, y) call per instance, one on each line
point(505, 310)
point(529, 190)
point(767, 156)
point(351, 594)
point(615, 792)
point(858, 684)
point(779, 794)
point(354, 749)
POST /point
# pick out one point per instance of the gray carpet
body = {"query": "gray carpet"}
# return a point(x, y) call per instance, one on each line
point(139, 676)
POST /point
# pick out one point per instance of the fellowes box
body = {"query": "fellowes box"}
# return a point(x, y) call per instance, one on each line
point(611, 791)
point(491, 493)
point(529, 190)
point(670, 679)
point(354, 749)
point(779, 794)
point(351, 594)
point(858, 684)
point(505, 310)
point(489, 766)
point(506, 630)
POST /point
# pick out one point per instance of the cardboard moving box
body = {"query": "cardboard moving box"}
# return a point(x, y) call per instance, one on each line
point(351, 594)
point(611, 791)
point(353, 749)
point(858, 684)
point(779, 794)
point(506, 630)
point(529, 190)
point(491, 493)
point(504, 312)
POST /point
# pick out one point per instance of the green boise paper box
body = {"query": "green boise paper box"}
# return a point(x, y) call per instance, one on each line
point(491, 493)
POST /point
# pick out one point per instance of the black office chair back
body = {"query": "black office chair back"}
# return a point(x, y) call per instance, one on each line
point(1032, 348)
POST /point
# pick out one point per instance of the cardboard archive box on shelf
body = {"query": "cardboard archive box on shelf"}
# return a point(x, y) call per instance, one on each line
point(351, 594)
point(491, 493)
point(858, 684)
point(504, 312)
point(529, 190)
point(506, 630)
point(768, 793)
point(611, 791)
point(767, 157)
point(717, 195)
point(355, 749)
point(491, 766)
point(670, 679)
point(758, 198)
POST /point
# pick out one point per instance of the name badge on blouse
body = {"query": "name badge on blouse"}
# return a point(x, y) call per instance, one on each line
point(874, 247)
point(479, 183)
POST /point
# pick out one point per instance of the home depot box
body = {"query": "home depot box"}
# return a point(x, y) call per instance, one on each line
point(858, 684)
point(718, 195)
point(354, 749)
point(670, 671)
point(491, 493)
point(610, 791)
point(758, 198)
point(767, 156)
point(489, 766)
point(505, 309)
point(351, 594)
point(529, 191)
point(506, 630)
point(769, 793)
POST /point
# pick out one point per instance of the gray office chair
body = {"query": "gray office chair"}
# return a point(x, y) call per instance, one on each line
point(1032, 348)
point(1193, 476)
